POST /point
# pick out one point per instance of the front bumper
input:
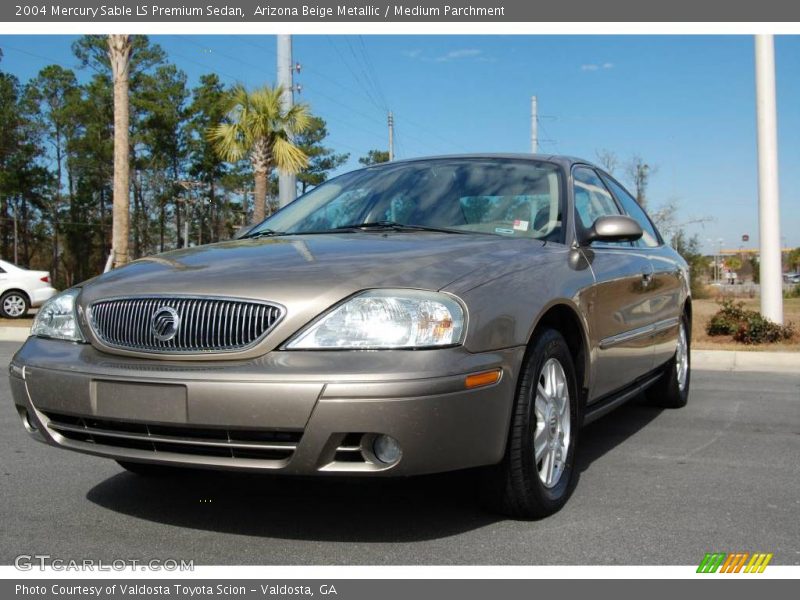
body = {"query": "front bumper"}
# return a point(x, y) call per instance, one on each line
point(295, 412)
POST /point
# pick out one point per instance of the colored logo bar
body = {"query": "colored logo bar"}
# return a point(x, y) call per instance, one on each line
point(735, 562)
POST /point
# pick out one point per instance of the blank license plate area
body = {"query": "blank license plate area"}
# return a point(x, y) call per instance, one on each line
point(140, 401)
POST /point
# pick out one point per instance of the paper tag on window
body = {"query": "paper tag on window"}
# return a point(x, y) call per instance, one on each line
point(520, 225)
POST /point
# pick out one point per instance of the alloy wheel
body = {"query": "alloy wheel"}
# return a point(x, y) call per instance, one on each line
point(551, 437)
point(14, 305)
point(682, 358)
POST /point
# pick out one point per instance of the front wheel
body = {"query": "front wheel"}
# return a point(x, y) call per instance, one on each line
point(538, 472)
point(672, 391)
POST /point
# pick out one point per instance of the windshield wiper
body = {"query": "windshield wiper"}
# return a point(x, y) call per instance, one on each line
point(260, 233)
point(391, 225)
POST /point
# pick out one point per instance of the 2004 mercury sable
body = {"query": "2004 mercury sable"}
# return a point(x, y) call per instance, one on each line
point(407, 318)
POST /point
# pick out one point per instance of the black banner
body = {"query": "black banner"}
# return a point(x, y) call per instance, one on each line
point(398, 589)
point(451, 11)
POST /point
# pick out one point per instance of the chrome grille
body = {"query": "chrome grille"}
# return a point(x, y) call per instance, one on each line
point(206, 324)
point(274, 447)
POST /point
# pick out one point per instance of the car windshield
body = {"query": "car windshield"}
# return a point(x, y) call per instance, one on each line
point(506, 197)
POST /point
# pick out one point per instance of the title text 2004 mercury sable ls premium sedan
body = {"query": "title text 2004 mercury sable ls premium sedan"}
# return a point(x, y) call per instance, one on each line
point(406, 318)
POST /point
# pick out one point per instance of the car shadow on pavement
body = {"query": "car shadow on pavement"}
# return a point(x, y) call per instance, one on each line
point(343, 510)
point(608, 432)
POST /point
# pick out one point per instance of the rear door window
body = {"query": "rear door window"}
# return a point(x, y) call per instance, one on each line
point(650, 237)
point(592, 198)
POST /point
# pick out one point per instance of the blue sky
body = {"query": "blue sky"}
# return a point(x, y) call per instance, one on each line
point(684, 103)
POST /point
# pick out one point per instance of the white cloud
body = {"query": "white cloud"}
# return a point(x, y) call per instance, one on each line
point(595, 67)
point(459, 54)
point(452, 55)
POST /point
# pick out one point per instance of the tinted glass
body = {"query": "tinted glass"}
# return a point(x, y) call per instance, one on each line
point(592, 199)
point(507, 197)
point(649, 237)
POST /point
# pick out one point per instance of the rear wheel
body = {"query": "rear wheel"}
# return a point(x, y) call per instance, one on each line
point(672, 391)
point(537, 474)
point(14, 305)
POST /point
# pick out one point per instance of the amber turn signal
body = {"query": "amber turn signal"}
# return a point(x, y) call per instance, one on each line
point(482, 379)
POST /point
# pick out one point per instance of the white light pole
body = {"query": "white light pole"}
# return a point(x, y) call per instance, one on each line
point(287, 182)
point(768, 195)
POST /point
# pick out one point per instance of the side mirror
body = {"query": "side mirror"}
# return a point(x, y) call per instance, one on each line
point(617, 228)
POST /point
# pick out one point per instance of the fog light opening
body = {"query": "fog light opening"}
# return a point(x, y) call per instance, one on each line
point(386, 449)
point(26, 419)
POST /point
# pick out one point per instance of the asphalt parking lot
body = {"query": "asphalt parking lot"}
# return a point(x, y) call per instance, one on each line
point(656, 487)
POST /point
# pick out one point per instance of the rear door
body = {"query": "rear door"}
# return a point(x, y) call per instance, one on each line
point(620, 313)
point(666, 303)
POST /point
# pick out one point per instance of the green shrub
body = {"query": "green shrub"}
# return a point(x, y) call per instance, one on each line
point(727, 319)
point(758, 330)
point(746, 326)
point(721, 324)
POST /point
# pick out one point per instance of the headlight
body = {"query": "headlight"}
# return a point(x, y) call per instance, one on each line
point(58, 319)
point(382, 319)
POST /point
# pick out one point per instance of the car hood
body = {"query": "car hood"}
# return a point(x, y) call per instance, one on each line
point(283, 267)
point(309, 273)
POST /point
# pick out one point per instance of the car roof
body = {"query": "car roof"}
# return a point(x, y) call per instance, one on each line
point(561, 159)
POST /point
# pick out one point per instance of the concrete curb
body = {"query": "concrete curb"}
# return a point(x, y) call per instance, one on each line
point(742, 360)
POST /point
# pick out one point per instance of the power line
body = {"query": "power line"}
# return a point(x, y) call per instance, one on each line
point(372, 73)
point(369, 95)
point(547, 140)
point(41, 57)
point(357, 111)
point(361, 82)
point(235, 59)
point(426, 129)
point(383, 109)
point(204, 65)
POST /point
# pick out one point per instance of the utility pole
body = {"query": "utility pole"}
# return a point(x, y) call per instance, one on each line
point(534, 125)
point(768, 194)
point(287, 182)
point(391, 136)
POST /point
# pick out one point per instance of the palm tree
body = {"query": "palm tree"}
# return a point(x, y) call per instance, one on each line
point(260, 127)
point(119, 53)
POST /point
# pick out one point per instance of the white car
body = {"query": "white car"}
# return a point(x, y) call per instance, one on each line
point(21, 289)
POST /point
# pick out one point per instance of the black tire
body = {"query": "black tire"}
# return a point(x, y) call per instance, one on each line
point(20, 299)
point(514, 487)
point(149, 469)
point(667, 392)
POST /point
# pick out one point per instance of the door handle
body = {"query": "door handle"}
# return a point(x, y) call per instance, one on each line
point(647, 279)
